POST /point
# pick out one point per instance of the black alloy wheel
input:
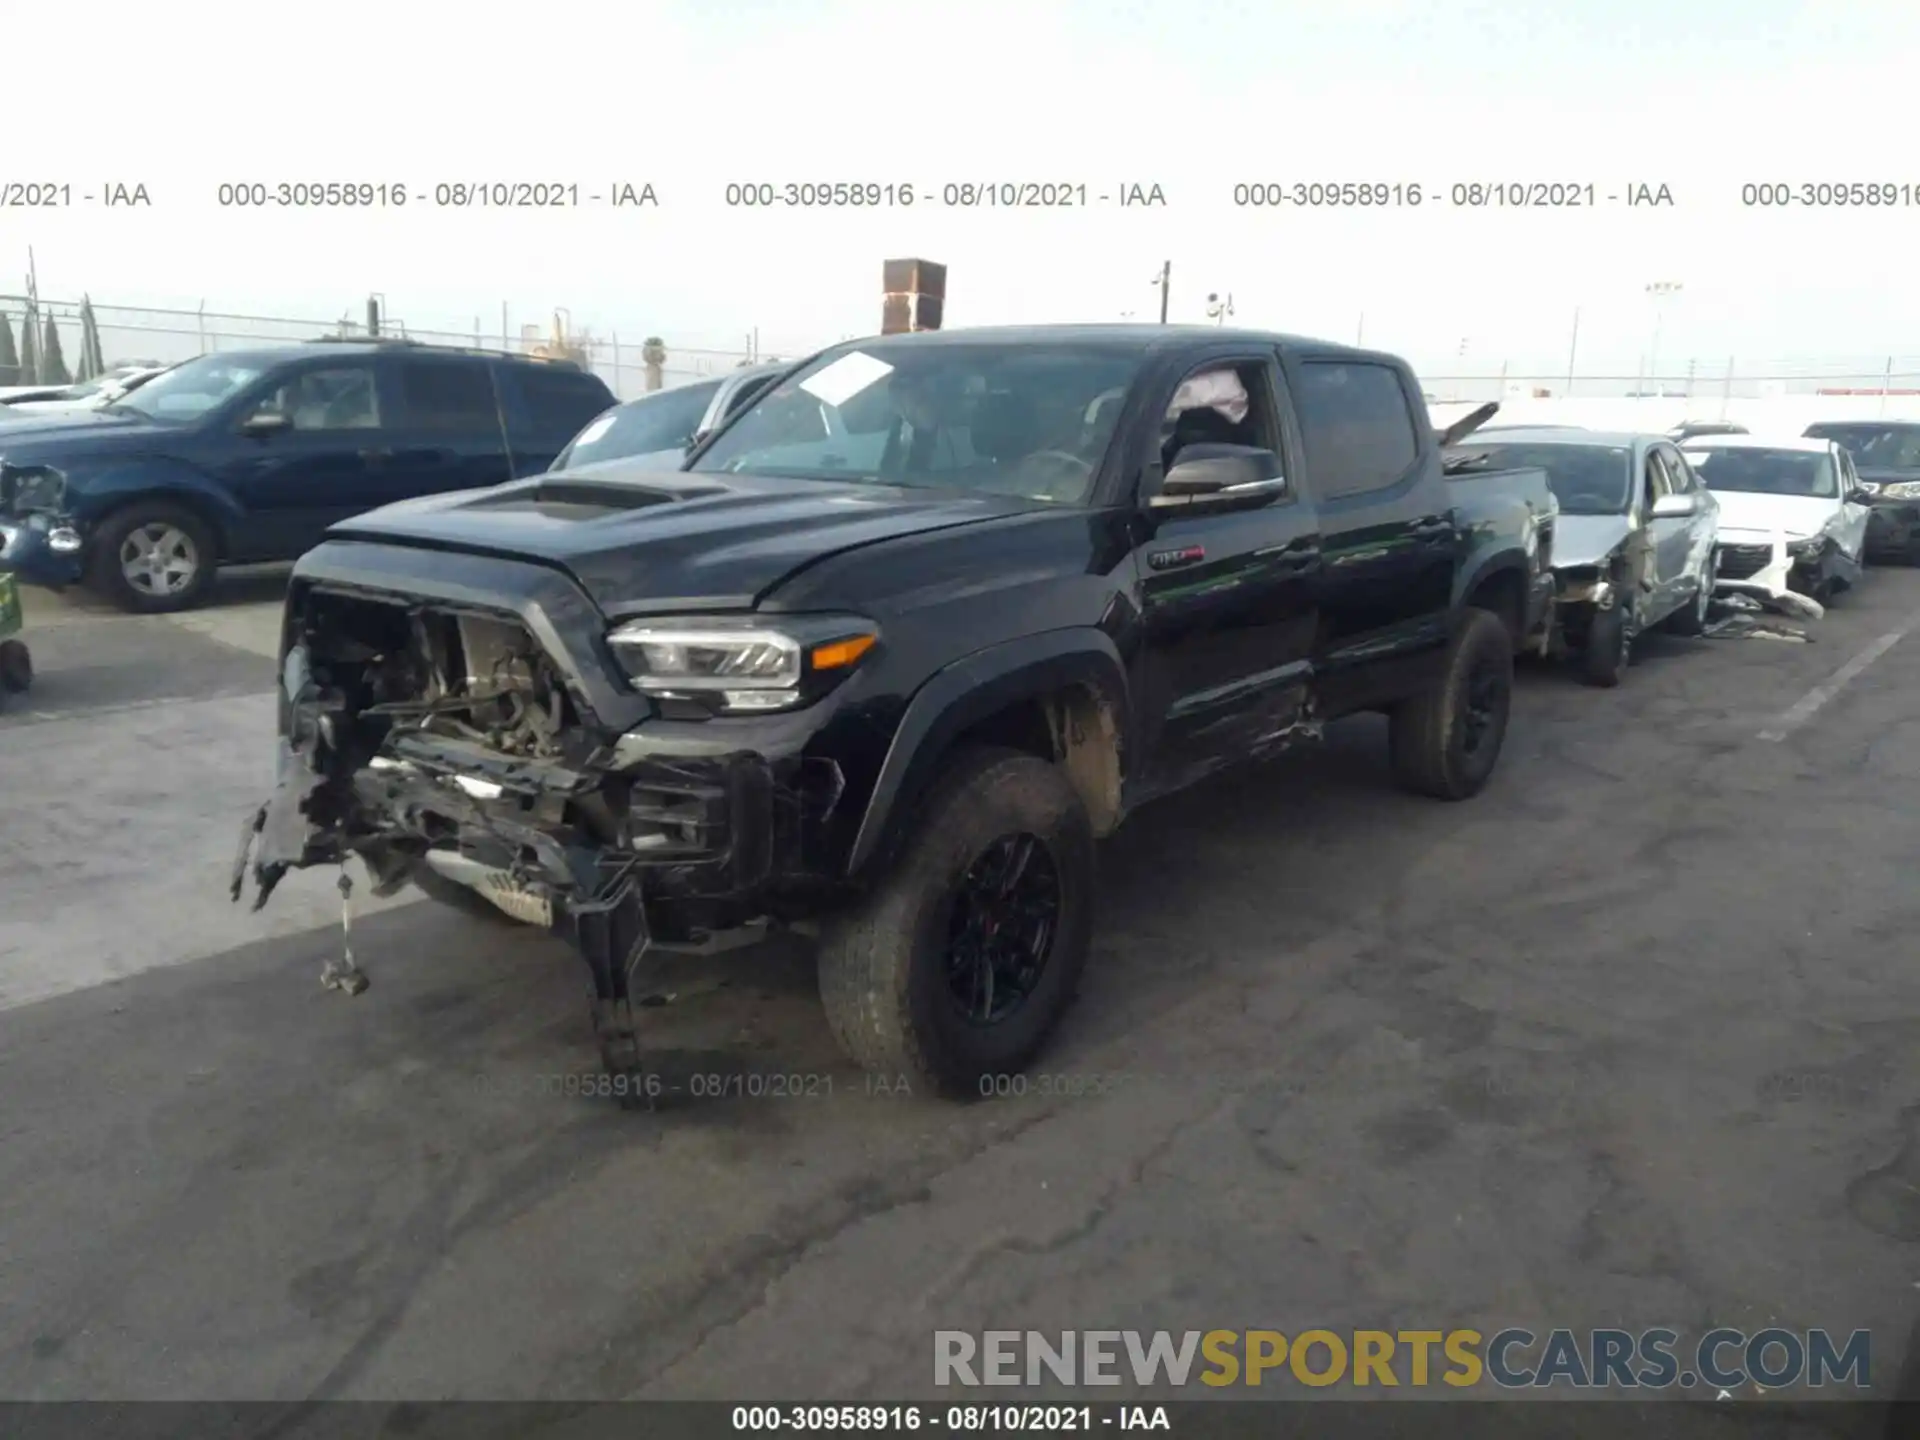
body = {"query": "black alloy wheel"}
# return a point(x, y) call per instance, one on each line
point(1006, 912)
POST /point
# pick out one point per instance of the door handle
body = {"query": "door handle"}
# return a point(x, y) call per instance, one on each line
point(1291, 558)
point(1434, 528)
point(376, 452)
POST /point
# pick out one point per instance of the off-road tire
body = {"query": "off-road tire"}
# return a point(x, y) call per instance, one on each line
point(464, 898)
point(1609, 648)
point(883, 962)
point(1425, 735)
point(104, 574)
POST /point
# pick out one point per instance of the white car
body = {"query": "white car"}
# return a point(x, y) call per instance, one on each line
point(1793, 515)
point(91, 394)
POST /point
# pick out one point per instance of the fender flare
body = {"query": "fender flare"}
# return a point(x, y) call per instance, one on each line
point(1513, 561)
point(967, 692)
point(147, 478)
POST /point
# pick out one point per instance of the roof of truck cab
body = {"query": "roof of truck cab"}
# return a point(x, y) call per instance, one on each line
point(1560, 435)
point(1120, 335)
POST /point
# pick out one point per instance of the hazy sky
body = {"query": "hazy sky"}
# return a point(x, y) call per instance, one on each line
point(1699, 95)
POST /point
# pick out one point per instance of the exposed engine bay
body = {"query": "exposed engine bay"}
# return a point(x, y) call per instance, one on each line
point(427, 738)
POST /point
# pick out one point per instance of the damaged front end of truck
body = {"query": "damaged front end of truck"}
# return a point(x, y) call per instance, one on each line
point(439, 734)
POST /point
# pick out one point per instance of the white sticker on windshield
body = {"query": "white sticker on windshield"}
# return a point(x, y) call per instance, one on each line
point(594, 431)
point(845, 378)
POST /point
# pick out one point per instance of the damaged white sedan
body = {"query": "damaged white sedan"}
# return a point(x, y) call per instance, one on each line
point(1793, 518)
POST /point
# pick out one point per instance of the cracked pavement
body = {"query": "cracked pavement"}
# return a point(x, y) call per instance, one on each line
point(1629, 1040)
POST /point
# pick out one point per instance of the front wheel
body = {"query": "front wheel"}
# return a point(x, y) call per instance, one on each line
point(1609, 648)
point(153, 558)
point(1445, 743)
point(958, 965)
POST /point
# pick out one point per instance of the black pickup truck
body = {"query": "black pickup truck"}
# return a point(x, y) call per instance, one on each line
point(898, 644)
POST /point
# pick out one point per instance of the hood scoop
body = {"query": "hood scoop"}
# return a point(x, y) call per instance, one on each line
point(568, 498)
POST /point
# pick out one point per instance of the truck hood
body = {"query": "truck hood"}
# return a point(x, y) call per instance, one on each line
point(1792, 515)
point(44, 437)
point(655, 541)
point(1587, 539)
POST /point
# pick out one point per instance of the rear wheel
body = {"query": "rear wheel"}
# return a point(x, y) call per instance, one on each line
point(1445, 743)
point(958, 965)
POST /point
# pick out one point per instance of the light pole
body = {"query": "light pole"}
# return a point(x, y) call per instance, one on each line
point(1218, 308)
point(1658, 294)
point(1164, 283)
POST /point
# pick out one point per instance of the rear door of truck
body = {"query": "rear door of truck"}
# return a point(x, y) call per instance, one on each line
point(1389, 543)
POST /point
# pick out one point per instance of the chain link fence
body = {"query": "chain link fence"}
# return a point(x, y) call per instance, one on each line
point(131, 335)
point(134, 334)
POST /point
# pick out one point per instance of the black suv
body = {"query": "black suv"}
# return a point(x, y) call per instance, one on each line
point(909, 633)
point(249, 455)
point(1886, 455)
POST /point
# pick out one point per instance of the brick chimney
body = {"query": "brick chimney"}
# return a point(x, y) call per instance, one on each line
point(915, 296)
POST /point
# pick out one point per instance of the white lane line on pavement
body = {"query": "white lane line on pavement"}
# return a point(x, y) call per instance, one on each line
point(1805, 707)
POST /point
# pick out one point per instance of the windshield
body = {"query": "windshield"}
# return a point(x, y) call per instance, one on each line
point(190, 390)
point(1765, 472)
point(1585, 479)
point(1875, 447)
point(664, 421)
point(1016, 419)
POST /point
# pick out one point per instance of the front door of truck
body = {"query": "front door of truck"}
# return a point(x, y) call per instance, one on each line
point(1227, 596)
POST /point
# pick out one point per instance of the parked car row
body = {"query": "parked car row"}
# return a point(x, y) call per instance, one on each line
point(19, 401)
point(248, 456)
point(1653, 527)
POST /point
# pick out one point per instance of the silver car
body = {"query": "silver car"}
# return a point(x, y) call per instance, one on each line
point(657, 430)
point(1634, 545)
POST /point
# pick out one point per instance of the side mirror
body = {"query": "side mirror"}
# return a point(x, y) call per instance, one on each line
point(266, 422)
point(1209, 477)
point(695, 439)
point(1862, 494)
point(1673, 507)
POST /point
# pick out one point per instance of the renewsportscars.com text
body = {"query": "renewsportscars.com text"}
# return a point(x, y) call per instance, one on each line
point(1511, 1359)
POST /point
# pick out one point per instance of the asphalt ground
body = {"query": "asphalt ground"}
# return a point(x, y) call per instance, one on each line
point(1628, 1040)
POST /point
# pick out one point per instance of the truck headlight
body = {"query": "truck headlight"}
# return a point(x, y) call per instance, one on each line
point(1808, 547)
point(1898, 490)
point(742, 666)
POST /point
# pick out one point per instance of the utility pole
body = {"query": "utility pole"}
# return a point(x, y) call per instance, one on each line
point(1573, 348)
point(1165, 281)
point(1659, 292)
